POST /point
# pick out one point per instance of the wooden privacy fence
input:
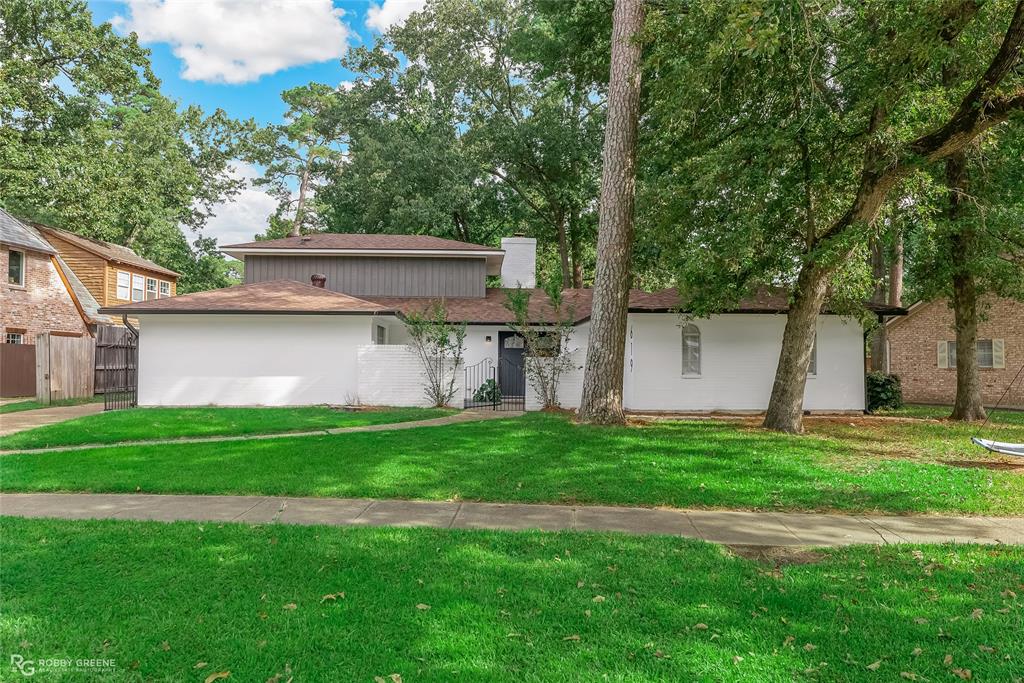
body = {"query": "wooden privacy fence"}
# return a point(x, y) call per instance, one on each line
point(17, 370)
point(64, 367)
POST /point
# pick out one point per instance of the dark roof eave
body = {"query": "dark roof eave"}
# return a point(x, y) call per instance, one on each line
point(765, 311)
point(117, 310)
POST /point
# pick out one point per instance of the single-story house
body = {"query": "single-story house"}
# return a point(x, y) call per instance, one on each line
point(321, 320)
point(922, 352)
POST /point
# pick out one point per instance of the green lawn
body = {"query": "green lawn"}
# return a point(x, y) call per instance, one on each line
point(183, 601)
point(20, 406)
point(169, 423)
point(941, 412)
point(546, 458)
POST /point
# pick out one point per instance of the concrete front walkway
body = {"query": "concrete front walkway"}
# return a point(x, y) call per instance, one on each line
point(30, 419)
point(734, 528)
point(455, 418)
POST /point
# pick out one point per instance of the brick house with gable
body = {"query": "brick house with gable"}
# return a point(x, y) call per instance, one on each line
point(922, 352)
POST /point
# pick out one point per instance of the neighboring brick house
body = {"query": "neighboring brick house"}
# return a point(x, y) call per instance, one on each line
point(112, 273)
point(922, 352)
point(38, 295)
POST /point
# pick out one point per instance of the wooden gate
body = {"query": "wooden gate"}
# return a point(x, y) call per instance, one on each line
point(64, 367)
point(17, 370)
point(117, 358)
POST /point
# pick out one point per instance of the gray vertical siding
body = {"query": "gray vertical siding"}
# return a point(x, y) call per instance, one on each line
point(377, 275)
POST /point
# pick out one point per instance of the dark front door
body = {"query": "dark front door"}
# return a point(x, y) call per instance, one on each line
point(511, 373)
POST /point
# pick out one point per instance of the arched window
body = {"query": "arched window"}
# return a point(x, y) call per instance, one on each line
point(691, 350)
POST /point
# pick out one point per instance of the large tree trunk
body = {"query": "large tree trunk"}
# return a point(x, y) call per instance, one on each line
point(574, 249)
point(563, 250)
point(602, 379)
point(786, 407)
point(300, 207)
point(968, 404)
point(879, 340)
point(896, 270)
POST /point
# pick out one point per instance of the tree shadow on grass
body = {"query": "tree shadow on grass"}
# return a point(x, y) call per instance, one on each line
point(502, 606)
point(538, 458)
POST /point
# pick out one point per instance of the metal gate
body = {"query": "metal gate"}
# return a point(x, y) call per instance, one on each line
point(495, 386)
point(117, 360)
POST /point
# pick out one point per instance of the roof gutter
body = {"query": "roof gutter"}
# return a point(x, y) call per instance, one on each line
point(300, 251)
point(206, 311)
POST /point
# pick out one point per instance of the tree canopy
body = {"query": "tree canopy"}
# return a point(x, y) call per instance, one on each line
point(88, 143)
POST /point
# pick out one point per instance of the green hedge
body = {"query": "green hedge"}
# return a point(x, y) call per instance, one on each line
point(884, 392)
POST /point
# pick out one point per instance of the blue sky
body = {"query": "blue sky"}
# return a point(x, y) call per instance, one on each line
point(239, 55)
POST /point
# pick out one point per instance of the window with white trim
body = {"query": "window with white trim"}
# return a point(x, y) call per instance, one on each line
point(691, 350)
point(138, 287)
point(16, 268)
point(380, 334)
point(150, 288)
point(14, 338)
point(165, 289)
point(991, 354)
point(124, 285)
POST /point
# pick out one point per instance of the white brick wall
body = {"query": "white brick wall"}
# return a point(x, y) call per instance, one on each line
point(392, 375)
point(570, 386)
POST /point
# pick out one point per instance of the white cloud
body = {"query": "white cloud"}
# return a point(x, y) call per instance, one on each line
point(241, 219)
point(236, 41)
point(391, 13)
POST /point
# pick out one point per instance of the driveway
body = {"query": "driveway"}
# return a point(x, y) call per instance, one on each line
point(29, 419)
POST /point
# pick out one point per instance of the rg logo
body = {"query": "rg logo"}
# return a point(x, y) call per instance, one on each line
point(25, 666)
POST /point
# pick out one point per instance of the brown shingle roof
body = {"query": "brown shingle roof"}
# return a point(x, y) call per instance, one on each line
point(491, 308)
point(765, 300)
point(274, 296)
point(333, 240)
point(106, 250)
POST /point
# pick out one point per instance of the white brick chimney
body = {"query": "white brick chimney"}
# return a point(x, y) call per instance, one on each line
point(519, 267)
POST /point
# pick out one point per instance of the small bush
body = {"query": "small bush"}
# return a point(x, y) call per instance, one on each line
point(884, 392)
point(488, 392)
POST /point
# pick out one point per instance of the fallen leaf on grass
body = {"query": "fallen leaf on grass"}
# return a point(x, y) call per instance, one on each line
point(977, 614)
point(333, 596)
point(873, 666)
point(788, 640)
point(910, 676)
point(199, 665)
point(916, 651)
point(217, 676)
point(737, 659)
point(572, 637)
point(394, 678)
point(986, 648)
point(947, 660)
point(423, 606)
point(165, 646)
point(808, 647)
point(599, 598)
point(963, 674)
point(920, 620)
point(290, 606)
point(700, 627)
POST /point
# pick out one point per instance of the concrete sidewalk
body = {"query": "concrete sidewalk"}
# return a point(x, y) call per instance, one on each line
point(454, 418)
point(734, 528)
point(11, 423)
